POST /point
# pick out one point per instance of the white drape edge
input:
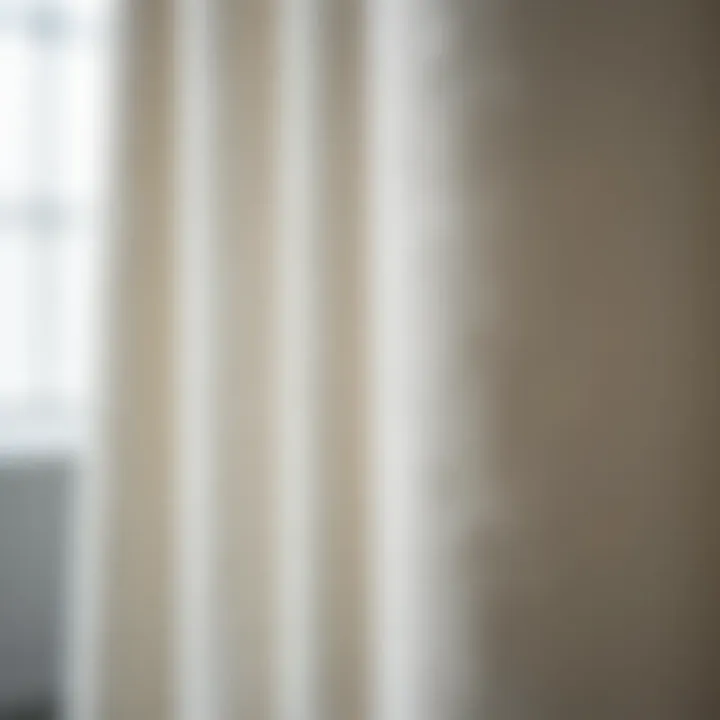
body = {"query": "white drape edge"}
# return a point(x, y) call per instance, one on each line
point(430, 470)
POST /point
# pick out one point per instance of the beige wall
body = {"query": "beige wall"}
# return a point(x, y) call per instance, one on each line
point(600, 578)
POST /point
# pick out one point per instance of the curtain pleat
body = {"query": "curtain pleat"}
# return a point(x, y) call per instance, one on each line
point(124, 635)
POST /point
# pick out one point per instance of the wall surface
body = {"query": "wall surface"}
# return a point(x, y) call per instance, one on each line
point(599, 577)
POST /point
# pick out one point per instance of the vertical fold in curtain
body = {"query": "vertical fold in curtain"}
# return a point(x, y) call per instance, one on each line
point(432, 119)
point(247, 63)
point(121, 644)
point(321, 445)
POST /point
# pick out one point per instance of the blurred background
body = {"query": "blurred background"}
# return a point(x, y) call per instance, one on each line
point(410, 408)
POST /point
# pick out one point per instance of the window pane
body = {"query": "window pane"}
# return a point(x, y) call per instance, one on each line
point(82, 115)
point(16, 117)
point(15, 288)
point(54, 112)
point(93, 10)
point(78, 279)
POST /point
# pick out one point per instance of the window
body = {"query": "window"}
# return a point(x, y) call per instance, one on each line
point(55, 92)
point(54, 110)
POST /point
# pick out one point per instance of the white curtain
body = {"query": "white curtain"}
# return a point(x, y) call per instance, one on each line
point(404, 410)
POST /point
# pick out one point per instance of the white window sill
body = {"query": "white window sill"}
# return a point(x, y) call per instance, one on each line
point(37, 433)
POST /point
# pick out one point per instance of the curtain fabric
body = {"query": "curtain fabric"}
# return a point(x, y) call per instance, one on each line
point(409, 382)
